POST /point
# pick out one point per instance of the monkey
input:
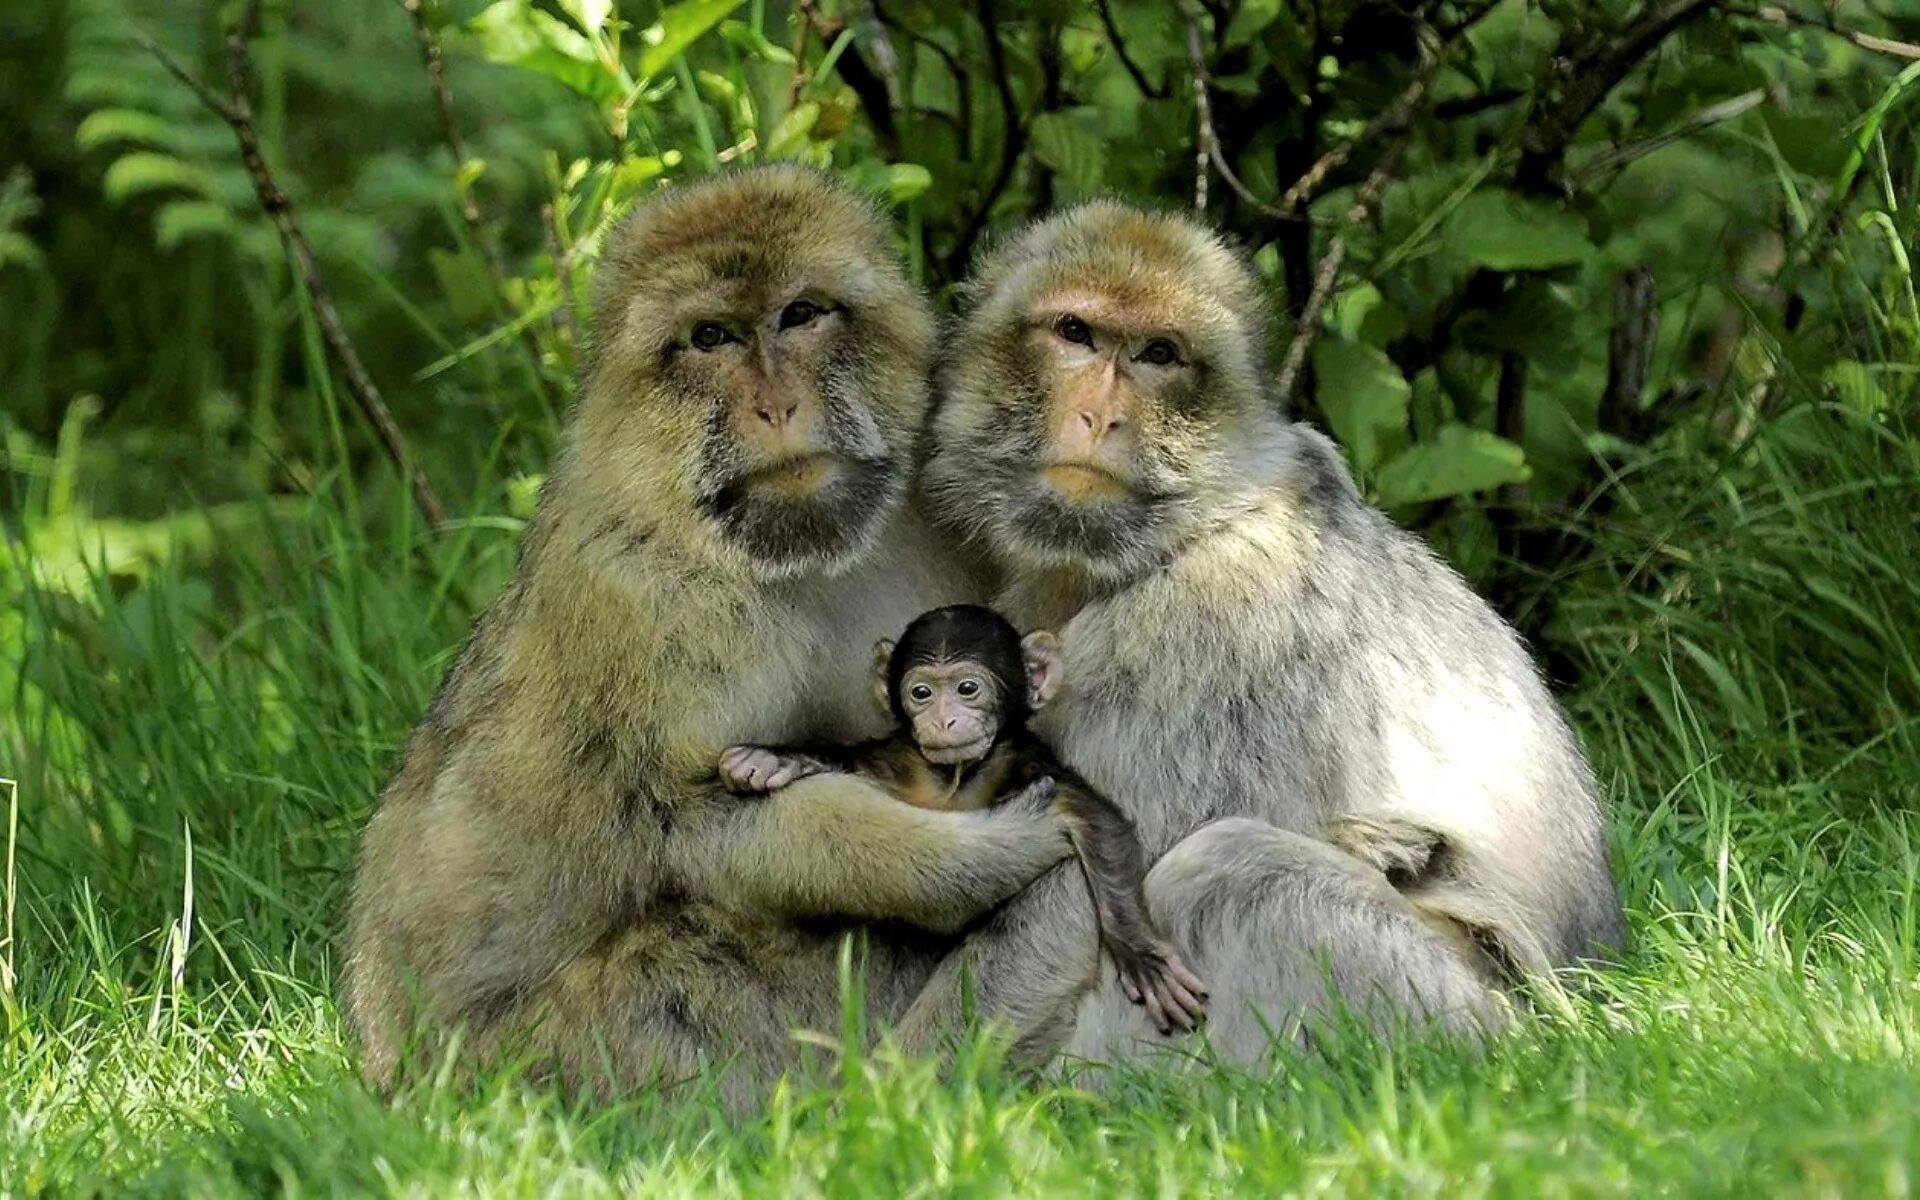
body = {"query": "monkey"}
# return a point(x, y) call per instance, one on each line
point(1354, 784)
point(554, 878)
point(960, 686)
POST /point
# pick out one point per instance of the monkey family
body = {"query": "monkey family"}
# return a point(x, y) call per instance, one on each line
point(960, 686)
point(1273, 720)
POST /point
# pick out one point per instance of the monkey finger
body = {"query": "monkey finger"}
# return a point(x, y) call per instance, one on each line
point(1178, 1014)
point(1186, 979)
point(1182, 998)
point(1156, 1012)
point(1131, 986)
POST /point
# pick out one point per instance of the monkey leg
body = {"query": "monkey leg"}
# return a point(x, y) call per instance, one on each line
point(1026, 967)
point(1285, 930)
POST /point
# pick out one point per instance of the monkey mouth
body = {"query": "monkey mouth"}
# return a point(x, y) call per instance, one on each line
point(818, 509)
point(964, 752)
point(1084, 482)
point(798, 476)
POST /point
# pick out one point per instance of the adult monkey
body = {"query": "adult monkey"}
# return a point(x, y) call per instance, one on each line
point(554, 868)
point(1347, 762)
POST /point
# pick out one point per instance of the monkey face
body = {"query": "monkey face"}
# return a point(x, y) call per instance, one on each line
point(761, 362)
point(960, 676)
point(1103, 391)
point(954, 709)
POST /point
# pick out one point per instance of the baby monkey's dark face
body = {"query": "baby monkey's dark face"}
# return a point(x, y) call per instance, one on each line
point(961, 677)
point(955, 709)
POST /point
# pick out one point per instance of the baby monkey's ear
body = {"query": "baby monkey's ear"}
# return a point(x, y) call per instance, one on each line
point(1042, 652)
point(882, 655)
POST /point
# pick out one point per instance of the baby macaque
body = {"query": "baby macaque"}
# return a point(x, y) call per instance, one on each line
point(961, 685)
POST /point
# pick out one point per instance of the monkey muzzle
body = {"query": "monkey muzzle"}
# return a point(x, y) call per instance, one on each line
point(957, 753)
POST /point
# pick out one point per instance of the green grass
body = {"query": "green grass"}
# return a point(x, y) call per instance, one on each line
point(197, 748)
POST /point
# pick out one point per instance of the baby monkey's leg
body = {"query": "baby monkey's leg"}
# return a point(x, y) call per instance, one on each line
point(1151, 972)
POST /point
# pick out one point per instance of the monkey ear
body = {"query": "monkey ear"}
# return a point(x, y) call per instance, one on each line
point(1042, 653)
point(882, 655)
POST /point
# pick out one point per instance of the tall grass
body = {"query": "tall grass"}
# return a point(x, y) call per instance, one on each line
point(196, 751)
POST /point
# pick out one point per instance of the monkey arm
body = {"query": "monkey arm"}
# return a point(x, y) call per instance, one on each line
point(1115, 868)
point(837, 845)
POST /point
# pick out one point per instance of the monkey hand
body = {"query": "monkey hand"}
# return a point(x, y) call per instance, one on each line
point(758, 769)
point(1035, 798)
point(1153, 975)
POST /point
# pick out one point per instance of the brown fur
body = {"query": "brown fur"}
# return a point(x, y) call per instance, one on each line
point(553, 867)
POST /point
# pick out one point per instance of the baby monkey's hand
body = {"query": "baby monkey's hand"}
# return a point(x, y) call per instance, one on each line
point(1153, 975)
point(758, 769)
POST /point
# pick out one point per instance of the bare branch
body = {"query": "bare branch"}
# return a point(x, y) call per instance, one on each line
point(1327, 275)
point(1206, 141)
point(1636, 321)
point(563, 313)
point(237, 112)
point(1012, 142)
point(1591, 72)
point(1388, 122)
point(1713, 114)
point(1775, 15)
point(436, 67)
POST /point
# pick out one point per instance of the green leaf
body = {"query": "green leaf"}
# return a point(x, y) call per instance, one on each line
point(749, 40)
point(465, 282)
point(679, 27)
point(1069, 143)
point(592, 14)
point(1854, 385)
point(516, 34)
point(17, 251)
point(1363, 395)
point(1459, 461)
point(183, 219)
point(636, 171)
point(791, 133)
point(111, 125)
point(143, 171)
point(904, 181)
point(1508, 232)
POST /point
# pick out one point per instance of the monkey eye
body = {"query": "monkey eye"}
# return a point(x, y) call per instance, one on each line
point(800, 312)
point(1073, 329)
point(710, 335)
point(921, 692)
point(969, 688)
point(1160, 353)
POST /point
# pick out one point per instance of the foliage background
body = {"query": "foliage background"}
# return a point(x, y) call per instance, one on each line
point(1624, 321)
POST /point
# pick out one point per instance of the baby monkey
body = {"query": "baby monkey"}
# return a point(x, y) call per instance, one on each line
point(961, 685)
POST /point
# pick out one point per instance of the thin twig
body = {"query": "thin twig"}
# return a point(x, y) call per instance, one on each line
point(1713, 114)
point(436, 67)
point(1126, 60)
point(802, 26)
point(563, 312)
point(1630, 346)
point(1388, 122)
point(1773, 14)
point(1591, 72)
point(1012, 142)
point(1328, 274)
point(237, 112)
point(1205, 141)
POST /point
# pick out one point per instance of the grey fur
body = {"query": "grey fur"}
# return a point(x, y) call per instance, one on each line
point(1349, 762)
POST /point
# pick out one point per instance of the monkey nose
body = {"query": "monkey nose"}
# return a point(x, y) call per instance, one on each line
point(1097, 423)
point(776, 412)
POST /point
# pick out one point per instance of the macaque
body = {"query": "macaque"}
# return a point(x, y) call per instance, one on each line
point(960, 686)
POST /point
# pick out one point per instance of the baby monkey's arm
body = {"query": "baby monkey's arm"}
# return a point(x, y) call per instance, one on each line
point(1151, 972)
point(770, 768)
